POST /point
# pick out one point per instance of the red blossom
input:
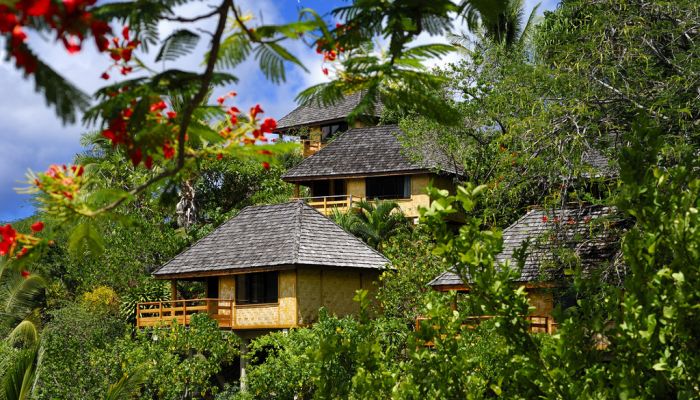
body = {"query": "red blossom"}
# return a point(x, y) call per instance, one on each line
point(266, 165)
point(125, 32)
point(25, 273)
point(136, 157)
point(545, 219)
point(172, 114)
point(220, 100)
point(38, 226)
point(72, 45)
point(9, 236)
point(268, 126)
point(149, 162)
point(39, 8)
point(104, 76)
point(168, 150)
point(325, 71)
point(266, 152)
point(159, 106)
point(219, 156)
point(254, 111)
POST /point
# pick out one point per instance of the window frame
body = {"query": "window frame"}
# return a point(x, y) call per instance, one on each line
point(248, 302)
point(406, 188)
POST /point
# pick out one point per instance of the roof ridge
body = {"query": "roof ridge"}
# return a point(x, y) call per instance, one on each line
point(349, 234)
point(297, 238)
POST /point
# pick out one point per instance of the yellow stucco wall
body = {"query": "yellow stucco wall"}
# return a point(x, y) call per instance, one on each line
point(333, 289)
point(542, 301)
point(356, 187)
point(288, 298)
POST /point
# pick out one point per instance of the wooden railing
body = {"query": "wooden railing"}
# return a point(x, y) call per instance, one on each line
point(538, 323)
point(228, 314)
point(326, 204)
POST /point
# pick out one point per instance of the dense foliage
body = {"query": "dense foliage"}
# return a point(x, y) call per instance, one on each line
point(526, 113)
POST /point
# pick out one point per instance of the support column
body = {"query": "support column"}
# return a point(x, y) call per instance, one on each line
point(173, 289)
point(244, 363)
point(296, 190)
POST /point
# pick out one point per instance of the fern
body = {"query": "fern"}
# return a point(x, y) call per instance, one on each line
point(178, 44)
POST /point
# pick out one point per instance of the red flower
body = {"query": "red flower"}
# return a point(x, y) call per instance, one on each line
point(8, 239)
point(570, 221)
point(168, 150)
point(159, 106)
point(219, 156)
point(104, 76)
point(268, 126)
point(125, 32)
point(18, 35)
point(126, 55)
point(254, 111)
point(266, 152)
point(39, 8)
point(149, 162)
point(172, 114)
point(233, 111)
point(25, 274)
point(136, 157)
point(72, 45)
point(266, 165)
point(38, 226)
point(220, 100)
point(545, 219)
point(325, 71)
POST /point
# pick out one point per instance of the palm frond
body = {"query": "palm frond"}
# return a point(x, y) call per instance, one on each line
point(178, 44)
point(19, 379)
point(128, 386)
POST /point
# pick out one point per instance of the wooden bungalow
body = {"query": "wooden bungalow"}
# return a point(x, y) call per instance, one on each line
point(370, 163)
point(271, 267)
point(549, 239)
point(316, 124)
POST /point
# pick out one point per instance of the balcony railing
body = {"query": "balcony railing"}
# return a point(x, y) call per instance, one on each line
point(538, 323)
point(228, 314)
point(326, 204)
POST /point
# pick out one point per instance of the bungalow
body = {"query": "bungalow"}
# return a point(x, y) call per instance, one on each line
point(316, 124)
point(269, 268)
point(549, 238)
point(370, 163)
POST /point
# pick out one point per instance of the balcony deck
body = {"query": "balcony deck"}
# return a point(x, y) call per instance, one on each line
point(228, 314)
point(538, 323)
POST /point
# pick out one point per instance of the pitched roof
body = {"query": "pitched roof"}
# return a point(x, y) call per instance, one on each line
point(368, 151)
point(316, 113)
point(578, 229)
point(285, 234)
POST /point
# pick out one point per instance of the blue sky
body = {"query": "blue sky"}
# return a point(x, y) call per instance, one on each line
point(31, 137)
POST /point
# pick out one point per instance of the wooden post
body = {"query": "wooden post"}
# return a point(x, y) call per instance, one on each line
point(296, 190)
point(244, 363)
point(138, 323)
point(160, 310)
point(325, 205)
point(184, 311)
point(173, 289)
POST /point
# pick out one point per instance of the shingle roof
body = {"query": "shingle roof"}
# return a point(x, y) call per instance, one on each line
point(315, 113)
point(368, 151)
point(599, 163)
point(274, 235)
point(578, 229)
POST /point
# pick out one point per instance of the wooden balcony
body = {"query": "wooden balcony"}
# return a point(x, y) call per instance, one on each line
point(228, 314)
point(538, 323)
point(326, 204)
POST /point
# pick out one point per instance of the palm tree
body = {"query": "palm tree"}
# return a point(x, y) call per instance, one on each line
point(19, 304)
point(373, 222)
point(502, 21)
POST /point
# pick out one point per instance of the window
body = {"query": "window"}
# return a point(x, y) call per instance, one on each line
point(328, 131)
point(388, 187)
point(334, 187)
point(257, 288)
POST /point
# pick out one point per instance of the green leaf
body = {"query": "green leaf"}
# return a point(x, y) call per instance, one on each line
point(85, 237)
point(178, 44)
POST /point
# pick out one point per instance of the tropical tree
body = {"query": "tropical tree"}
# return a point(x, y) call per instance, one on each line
point(375, 222)
point(502, 22)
